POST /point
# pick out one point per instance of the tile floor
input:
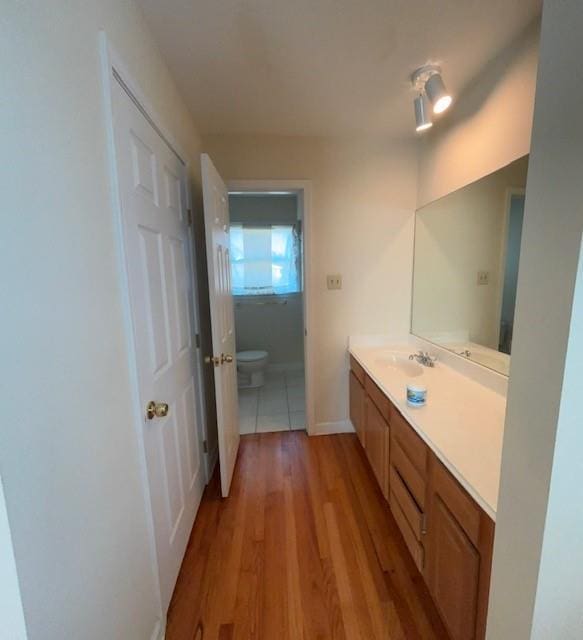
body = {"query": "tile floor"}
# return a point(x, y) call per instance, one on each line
point(278, 406)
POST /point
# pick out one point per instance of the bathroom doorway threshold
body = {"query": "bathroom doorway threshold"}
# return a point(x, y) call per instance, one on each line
point(302, 189)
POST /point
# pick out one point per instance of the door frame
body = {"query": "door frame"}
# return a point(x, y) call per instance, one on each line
point(509, 193)
point(303, 190)
point(112, 69)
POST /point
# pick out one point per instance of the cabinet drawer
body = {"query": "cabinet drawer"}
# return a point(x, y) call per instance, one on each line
point(414, 546)
point(379, 398)
point(460, 504)
point(411, 511)
point(413, 480)
point(410, 442)
point(358, 370)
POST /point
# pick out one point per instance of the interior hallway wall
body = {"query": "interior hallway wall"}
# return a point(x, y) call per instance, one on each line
point(68, 448)
point(363, 202)
point(537, 592)
point(11, 613)
point(488, 126)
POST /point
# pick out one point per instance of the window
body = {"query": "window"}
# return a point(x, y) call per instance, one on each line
point(265, 260)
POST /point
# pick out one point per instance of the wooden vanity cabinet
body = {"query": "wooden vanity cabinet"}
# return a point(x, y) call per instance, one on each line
point(448, 535)
point(458, 548)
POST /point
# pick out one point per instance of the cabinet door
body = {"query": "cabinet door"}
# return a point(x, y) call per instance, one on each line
point(452, 571)
point(376, 442)
point(357, 406)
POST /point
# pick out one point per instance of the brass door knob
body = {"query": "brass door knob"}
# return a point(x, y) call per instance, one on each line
point(212, 360)
point(226, 358)
point(156, 410)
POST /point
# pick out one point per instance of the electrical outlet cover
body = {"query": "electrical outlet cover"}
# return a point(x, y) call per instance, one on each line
point(483, 277)
point(334, 281)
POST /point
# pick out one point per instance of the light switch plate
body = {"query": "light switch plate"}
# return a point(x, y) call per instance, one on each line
point(334, 281)
point(483, 277)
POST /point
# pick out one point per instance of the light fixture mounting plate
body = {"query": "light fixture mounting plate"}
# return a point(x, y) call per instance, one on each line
point(421, 75)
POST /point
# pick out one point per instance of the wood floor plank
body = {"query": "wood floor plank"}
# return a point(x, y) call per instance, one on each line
point(294, 594)
point(305, 548)
point(322, 615)
point(352, 623)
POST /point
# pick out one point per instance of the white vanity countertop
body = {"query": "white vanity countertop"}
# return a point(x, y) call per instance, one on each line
point(462, 422)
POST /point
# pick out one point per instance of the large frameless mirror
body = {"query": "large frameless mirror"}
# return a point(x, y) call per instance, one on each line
point(467, 250)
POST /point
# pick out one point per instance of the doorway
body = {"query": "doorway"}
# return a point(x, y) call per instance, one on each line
point(270, 276)
point(513, 237)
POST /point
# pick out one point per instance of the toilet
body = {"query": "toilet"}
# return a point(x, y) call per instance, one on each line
point(251, 369)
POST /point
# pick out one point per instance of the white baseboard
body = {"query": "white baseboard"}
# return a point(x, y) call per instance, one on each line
point(328, 428)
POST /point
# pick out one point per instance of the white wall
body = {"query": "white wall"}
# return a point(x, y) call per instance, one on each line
point(363, 201)
point(488, 126)
point(537, 591)
point(457, 236)
point(263, 209)
point(11, 614)
point(272, 326)
point(68, 449)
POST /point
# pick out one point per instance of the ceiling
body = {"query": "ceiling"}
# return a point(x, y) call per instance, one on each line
point(323, 67)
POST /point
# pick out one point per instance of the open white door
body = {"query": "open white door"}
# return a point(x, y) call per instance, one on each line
point(216, 220)
point(152, 184)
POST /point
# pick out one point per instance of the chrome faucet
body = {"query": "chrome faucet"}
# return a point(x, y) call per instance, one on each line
point(424, 358)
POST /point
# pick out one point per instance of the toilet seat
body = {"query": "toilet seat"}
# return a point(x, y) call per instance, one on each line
point(251, 356)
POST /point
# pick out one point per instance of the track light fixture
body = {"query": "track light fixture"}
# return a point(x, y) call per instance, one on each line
point(428, 83)
point(422, 117)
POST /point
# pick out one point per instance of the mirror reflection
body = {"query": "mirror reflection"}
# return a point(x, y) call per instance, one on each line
point(467, 250)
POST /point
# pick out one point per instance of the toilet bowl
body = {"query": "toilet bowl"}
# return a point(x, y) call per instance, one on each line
point(251, 369)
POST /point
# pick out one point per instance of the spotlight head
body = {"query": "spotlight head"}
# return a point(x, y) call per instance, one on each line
point(437, 93)
point(422, 117)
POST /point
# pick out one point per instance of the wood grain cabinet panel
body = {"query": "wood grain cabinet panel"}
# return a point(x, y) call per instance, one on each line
point(458, 554)
point(357, 369)
point(411, 444)
point(383, 404)
point(356, 397)
point(409, 507)
point(452, 572)
point(376, 440)
point(413, 544)
point(411, 477)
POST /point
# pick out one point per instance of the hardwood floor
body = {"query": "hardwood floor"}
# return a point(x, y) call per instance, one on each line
point(305, 548)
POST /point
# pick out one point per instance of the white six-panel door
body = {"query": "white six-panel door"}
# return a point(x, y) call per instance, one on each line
point(156, 238)
point(216, 220)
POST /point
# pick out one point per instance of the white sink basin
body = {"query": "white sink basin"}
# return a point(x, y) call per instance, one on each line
point(401, 362)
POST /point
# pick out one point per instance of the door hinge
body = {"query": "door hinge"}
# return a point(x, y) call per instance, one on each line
point(205, 447)
point(197, 340)
point(189, 217)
